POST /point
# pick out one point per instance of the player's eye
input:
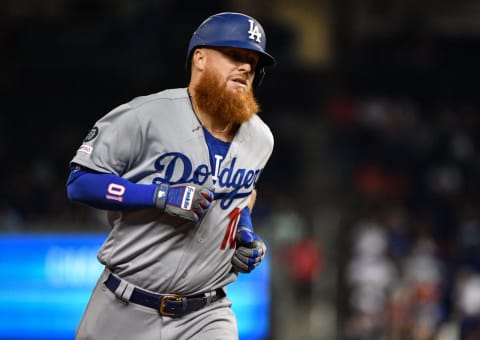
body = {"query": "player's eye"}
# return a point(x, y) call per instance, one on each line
point(244, 57)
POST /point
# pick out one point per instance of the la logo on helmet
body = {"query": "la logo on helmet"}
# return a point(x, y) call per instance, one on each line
point(254, 31)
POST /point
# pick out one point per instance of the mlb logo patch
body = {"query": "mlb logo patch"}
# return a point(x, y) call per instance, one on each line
point(188, 198)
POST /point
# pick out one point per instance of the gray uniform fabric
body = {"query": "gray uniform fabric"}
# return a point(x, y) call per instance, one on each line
point(158, 139)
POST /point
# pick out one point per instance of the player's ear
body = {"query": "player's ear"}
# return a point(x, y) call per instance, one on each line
point(199, 59)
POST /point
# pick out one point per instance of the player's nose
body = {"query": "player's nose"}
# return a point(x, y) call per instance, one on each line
point(245, 67)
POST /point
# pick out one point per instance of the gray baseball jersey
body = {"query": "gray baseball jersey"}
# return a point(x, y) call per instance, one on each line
point(158, 139)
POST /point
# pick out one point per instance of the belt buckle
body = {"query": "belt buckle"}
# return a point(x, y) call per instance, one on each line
point(164, 300)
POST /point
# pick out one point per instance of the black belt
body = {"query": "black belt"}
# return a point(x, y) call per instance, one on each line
point(167, 305)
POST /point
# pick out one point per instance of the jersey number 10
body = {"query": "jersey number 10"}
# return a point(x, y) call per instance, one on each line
point(229, 238)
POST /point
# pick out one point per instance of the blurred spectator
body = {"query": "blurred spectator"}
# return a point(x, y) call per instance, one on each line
point(305, 262)
point(370, 275)
point(468, 304)
point(423, 274)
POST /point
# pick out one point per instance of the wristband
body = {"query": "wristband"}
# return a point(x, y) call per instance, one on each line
point(161, 195)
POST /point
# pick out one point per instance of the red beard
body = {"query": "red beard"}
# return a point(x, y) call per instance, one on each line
point(228, 106)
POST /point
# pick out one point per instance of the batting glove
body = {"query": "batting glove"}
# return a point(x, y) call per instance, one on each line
point(250, 251)
point(188, 201)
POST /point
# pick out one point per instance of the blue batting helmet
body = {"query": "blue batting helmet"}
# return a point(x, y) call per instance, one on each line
point(233, 30)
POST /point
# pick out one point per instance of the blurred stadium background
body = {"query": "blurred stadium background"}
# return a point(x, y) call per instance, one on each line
point(370, 204)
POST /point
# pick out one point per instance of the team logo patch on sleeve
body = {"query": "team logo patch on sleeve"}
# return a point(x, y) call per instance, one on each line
point(91, 134)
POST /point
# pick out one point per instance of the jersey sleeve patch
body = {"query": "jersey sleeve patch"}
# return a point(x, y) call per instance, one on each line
point(91, 134)
point(86, 149)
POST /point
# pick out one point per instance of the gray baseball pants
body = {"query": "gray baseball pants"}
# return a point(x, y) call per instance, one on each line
point(109, 318)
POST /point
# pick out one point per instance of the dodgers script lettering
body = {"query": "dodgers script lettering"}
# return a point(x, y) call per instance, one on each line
point(234, 182)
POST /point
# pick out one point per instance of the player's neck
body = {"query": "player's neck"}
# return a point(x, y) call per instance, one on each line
point(222, 130)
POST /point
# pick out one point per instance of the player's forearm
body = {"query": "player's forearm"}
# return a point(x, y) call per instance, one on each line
point(109, 191)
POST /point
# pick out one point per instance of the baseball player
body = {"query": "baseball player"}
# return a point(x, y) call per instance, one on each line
point(177, 171)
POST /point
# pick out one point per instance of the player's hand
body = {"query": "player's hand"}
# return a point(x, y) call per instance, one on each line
point(187, 201)
point(249, 252)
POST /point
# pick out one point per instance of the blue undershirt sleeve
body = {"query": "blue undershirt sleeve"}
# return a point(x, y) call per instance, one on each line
point(108, 191)
point(246, 219)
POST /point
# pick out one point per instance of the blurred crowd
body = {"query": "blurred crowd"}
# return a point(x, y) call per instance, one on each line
point(412, 269)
